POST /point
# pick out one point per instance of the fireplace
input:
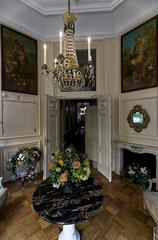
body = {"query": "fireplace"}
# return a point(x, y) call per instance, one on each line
point(147, 160)
point(145, 155)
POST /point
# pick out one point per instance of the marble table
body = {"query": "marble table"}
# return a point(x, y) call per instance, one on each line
point(56, 206)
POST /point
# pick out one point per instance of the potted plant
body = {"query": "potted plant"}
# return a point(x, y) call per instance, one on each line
point(68, 167)
point(23, 164)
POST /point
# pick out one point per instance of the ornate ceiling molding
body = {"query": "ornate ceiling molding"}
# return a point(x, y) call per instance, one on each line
point(78, 8)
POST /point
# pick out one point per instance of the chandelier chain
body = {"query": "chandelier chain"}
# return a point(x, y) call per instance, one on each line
point(69, 6)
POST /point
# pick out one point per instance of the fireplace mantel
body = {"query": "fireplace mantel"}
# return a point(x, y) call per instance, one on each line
point(133, 148)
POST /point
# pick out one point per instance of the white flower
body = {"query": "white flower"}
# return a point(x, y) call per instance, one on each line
point(68, 150)
point(36, 153)
point(21, 157)
point(131, 172)
point(56, 185)
point(143, 170)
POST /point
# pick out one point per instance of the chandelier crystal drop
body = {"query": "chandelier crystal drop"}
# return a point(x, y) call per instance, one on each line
point(67, 75)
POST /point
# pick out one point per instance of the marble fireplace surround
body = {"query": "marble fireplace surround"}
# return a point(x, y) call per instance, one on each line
point(136, 148)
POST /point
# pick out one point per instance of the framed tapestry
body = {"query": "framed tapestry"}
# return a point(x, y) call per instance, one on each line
point(19, 62)
point(138, 57)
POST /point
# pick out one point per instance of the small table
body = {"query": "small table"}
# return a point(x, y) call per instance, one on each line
point(56, 206)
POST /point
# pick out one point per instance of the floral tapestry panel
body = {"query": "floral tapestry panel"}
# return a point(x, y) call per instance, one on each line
point(138, 57)
point(19, 62)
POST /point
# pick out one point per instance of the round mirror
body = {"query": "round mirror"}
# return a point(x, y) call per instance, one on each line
point(138, 118)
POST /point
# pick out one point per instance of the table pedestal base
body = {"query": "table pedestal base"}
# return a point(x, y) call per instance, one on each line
point(69, 233)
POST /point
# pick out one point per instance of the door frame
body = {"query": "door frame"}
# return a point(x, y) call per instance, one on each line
point(45, 140)
point(106, 98)
point(45, 162)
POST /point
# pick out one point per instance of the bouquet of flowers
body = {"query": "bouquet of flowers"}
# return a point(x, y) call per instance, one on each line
point(137, 174)
point(22, 164)
point(68, 166)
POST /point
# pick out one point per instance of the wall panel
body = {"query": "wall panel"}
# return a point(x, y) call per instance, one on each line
point(148, 99)
point(20, 118)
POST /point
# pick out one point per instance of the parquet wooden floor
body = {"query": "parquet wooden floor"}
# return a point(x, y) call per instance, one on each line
point(121, 216)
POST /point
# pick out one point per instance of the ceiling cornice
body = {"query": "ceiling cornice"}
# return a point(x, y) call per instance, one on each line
point(84, 8)
point(47, 38)
point(22, 29)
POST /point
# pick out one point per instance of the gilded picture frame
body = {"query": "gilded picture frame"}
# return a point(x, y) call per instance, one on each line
point(139, 57)
point(19, 62)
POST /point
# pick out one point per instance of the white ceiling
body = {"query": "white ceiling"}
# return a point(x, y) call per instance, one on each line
point(54, 7)
point(98, 22)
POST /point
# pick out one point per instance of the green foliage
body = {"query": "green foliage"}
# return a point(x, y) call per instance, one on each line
point(24, 157)
point(136, 174)
point(68, 166)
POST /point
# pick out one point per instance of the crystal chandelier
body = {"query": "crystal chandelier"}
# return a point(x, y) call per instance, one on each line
point(67, 75)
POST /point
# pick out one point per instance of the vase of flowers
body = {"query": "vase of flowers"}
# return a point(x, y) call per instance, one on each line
point(68, 168)
point(136, 174)
point(22, 165)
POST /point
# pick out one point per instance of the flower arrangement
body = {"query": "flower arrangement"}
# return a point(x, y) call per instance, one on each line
point(137, 174)
point(22, 164)
point(68, 166)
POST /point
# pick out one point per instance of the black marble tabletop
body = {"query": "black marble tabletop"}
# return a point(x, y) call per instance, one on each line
point(56, 206)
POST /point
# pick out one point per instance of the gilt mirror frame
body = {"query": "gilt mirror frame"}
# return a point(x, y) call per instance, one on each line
point(138, 126)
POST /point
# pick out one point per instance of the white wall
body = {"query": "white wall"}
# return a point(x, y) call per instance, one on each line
point(22, 18)
point(133, 12)
point(20, 120)
point(148, 99)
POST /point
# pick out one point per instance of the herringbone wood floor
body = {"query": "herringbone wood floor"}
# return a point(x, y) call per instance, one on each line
point(121, 216)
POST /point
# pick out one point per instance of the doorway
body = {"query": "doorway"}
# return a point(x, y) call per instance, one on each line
point(72, 122)
point(62, 129)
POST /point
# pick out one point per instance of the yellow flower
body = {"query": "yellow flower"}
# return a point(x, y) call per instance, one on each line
point(52, 165)
point(76, 164)
point(63, 178)
point(61, 162)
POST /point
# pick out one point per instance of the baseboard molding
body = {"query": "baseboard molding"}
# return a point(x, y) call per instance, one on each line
point(93, 164)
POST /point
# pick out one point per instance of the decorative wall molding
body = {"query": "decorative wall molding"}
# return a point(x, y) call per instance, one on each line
point(80, 8)
point(125, 15)
point(20, 28)
point(148, 100)
point(20, 115)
